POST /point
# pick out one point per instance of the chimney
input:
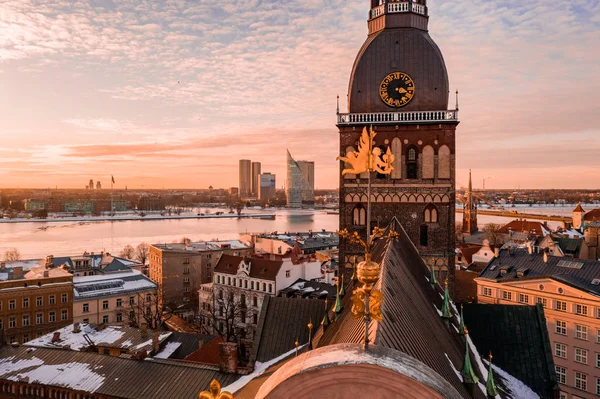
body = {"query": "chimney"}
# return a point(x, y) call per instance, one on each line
point(2, 265)
point(155, 342)
point(228, 357)
point(200, 343)
point(76, 328)
point(56, 337)
point(50, 261)
point(46, 274)
point(497, 252)
point(530, 248)
point(144, 330)
point(17, 272)
point(546, 256)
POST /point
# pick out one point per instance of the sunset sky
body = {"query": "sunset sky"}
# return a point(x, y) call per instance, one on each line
point(169, 93)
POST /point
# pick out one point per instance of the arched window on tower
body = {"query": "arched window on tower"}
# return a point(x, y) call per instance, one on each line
point(428, 162)
point(431, 214)
point(359, 216)
point(397, 151)
point(444, 162)
point(411, 163)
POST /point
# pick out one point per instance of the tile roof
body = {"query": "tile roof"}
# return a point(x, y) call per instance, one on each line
point(468, 252)
point(265, 269)
point(521, 347)
point(108, 375)
point(591, 215)
point(580, 276)
point(189, 343)
point(281, 322)
point(208, 353)
point(520, 225)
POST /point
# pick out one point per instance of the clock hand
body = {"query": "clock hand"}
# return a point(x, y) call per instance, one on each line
point(400, 89)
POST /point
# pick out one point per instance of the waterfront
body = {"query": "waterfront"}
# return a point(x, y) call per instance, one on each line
point(35, 240)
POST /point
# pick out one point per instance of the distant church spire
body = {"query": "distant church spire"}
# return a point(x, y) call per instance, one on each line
point(469, 210)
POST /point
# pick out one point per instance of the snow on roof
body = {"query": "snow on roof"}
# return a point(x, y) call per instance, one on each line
point(297, 286)
point(110, 336)
point(76, 341)
point(168, 350)
point(77, 376)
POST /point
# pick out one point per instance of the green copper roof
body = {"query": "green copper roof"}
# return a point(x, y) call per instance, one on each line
point(461, 327)
point(490, 386)
point(342, 291)
point(338, 307)
point(432, 279)
point(467, 372)
point(446, 313)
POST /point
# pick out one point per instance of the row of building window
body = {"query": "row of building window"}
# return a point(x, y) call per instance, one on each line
point(39, 301)
point(580, 380)
point(119, 303)
point(39, 319)
point(118, 318)
point(560, 306)
point(581, 331)
point(243, 283)
point(581, 355)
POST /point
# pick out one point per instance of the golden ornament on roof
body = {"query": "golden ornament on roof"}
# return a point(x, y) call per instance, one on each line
point(214, 392)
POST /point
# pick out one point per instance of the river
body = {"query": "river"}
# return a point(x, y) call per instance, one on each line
point(36, 240)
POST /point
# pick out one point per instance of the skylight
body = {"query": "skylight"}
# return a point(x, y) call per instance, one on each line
point(570, 265)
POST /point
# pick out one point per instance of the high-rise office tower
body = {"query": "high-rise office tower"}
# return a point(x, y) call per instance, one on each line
point(267, 187)
point(255, 179)
point(300, 184)
point(245, 178)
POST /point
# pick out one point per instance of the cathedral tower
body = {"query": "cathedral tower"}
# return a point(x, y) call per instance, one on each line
point(469, 225)
point(399, 85)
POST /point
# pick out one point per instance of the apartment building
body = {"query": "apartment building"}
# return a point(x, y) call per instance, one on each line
point(34, 302)
point(113, 298)
point(180, 268)
point(569, 290)
point(231, 304)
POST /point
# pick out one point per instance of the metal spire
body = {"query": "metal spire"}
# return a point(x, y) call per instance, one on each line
point(310, 328)
point(446, 312)
point(342, 291)
point(432, 279)
point(467, 372)
point(490, 385)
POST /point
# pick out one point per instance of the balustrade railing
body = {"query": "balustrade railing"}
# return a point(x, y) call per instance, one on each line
point(377, 11)
point(398, 117)
point(396, 7)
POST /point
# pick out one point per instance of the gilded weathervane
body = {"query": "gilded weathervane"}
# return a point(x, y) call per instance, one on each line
point(366, 301)
point(367, 158)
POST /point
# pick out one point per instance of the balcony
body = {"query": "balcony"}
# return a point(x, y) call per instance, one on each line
point(382, 118)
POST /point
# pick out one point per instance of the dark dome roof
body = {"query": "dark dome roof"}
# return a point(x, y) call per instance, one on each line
point(407, 50)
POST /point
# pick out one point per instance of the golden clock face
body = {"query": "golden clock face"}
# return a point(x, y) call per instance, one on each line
point(397, 89)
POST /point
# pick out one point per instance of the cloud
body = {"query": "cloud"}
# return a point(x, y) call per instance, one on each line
point(169, 82)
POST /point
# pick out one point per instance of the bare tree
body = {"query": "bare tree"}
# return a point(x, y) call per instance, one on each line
point(12, 255)
point(148, 307)
point(127, 252)
point(141, 252)
point(493, 234)
point(186, 240)
point(239, 206)
point(226, 314)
